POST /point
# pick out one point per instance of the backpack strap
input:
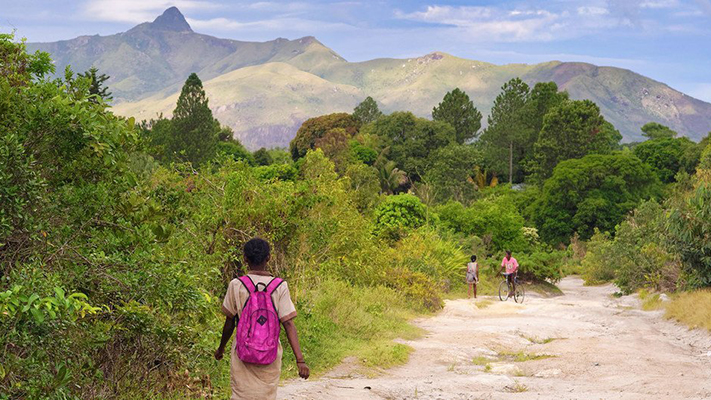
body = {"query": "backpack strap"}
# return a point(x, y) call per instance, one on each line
point(248, 284)
point(273, 285)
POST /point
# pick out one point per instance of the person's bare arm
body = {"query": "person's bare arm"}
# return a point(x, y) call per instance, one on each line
point(293, 337)
point(226, 334)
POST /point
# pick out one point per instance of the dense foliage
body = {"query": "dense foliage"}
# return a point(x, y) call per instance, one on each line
point(595, 191)
point(410, 140)
point(117, 240)
point(571, 130)
point(667, 156)
point(331, 126)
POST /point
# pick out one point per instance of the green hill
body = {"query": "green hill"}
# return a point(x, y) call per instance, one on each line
point(159, 55)
point(265, 90)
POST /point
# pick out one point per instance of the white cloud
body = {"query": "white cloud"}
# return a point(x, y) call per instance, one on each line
point(136, 11)
point(659, 4)
point(517, 25)
point(593, 11)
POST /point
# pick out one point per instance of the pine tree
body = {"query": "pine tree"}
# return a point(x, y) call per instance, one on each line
point(457, 110)
point(96, 86)
point(573, 129)
point(195, 133)
point(507, 126)
point(367, 111)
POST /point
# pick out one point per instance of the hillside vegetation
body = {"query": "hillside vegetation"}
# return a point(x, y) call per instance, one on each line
point(118, 239)
point(148, 63)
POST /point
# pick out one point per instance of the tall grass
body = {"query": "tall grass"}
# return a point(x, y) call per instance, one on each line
point(692, 309)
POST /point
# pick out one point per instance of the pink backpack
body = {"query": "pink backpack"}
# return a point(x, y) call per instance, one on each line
point(258, 327)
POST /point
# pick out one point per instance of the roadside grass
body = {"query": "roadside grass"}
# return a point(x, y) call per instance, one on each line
point(482, 361)
point(691, 308)
point(521, 356)
point(539, 340)
point(544, 288)
point(482, 304)
point(337, 320)
point(509, 356)
point(650, 301)
point(518, 388)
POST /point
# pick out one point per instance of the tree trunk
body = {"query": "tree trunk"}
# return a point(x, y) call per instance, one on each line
point(511, 162)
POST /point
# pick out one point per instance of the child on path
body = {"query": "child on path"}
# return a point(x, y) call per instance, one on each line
point(249, 380)
point(472, 276)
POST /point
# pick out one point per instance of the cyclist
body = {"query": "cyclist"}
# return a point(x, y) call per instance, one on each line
point(511, 267)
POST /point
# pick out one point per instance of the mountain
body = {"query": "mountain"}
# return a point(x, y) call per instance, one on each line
point(159, 55)
point(265, 90)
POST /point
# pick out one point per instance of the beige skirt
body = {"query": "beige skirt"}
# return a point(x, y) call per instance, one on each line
point(254, 382)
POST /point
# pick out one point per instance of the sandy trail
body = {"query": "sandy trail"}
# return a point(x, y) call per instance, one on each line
point(602, 348)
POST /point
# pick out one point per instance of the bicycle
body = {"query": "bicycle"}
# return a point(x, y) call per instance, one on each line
point(505, 289)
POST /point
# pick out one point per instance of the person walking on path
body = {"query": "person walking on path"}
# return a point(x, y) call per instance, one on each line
point(255, 358)
point(472, 276)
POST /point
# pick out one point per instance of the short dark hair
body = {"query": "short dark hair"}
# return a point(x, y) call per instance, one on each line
point(474, 258)
point(508, 252)
point(256, 251)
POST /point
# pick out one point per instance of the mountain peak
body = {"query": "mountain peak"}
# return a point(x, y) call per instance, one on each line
point(171, 20)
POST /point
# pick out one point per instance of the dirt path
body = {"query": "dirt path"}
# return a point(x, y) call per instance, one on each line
point(600, 348)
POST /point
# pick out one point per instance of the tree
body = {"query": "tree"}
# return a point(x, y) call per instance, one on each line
point(653, 130)
point(96, 86)
point(391, 178)
point(595, 191)
point(457, 110)
point(571, 130)
point(262, 157)
point(235, 150)
point(667, 156)
point(194, 135)
point(502, 139)
point(450, 171)
point(334, 145)
point(367, 111)
point(364, 184)
point(543, 97)
point(315, 128)
point(410, 140)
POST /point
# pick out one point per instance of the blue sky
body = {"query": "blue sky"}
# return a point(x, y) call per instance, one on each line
point(667, 40)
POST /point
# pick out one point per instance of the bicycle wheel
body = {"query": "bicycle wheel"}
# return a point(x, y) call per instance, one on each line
point(520, 293)
point(503, 291)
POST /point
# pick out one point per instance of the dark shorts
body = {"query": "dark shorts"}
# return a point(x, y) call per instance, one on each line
point(510, 278)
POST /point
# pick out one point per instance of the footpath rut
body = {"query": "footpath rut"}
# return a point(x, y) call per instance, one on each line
point(582, 345)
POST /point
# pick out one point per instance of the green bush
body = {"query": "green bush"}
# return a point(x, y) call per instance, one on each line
point(235, 150)
point(398, 214)
point(688, 226)
point(495, 219)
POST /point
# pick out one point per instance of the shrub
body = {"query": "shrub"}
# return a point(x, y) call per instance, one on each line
point(494, 217)
point(398, 214)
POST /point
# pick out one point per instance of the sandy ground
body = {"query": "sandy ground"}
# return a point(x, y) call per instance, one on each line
point(601, 348)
